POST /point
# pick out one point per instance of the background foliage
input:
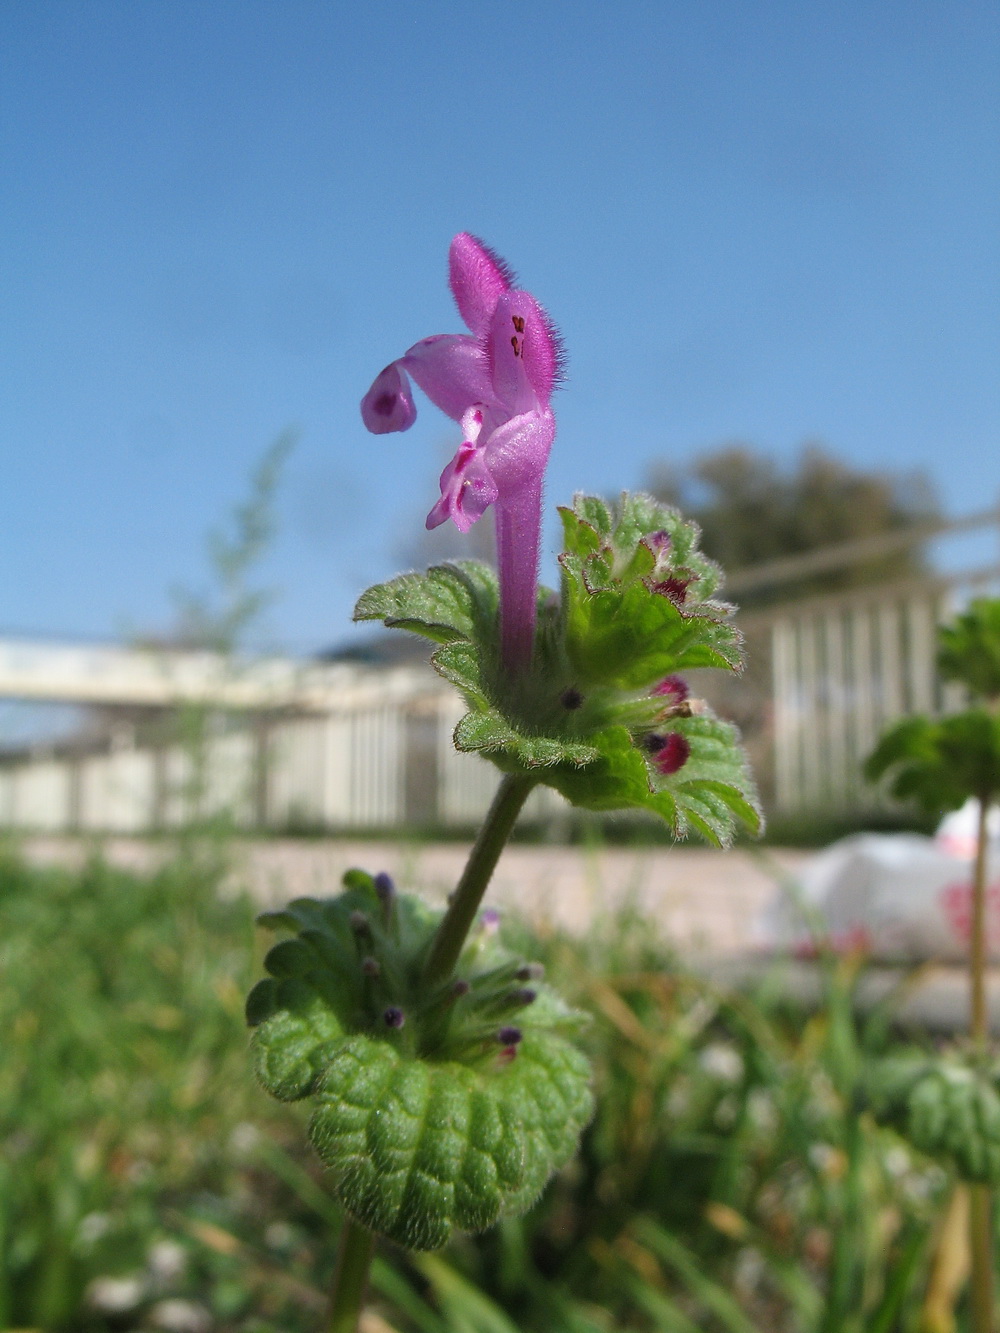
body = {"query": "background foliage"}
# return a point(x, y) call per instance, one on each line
point(751, 509)
point(727, 1182)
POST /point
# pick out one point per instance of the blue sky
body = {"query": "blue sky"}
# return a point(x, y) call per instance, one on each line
point(766, 221)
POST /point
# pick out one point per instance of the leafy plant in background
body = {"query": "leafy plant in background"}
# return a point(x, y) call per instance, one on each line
point(950, 1107)
point(444, 1087)
point(726, 1182)
point(217, 621)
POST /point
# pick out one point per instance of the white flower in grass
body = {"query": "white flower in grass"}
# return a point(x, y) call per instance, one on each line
point(177, 1316)
point(115, 1295)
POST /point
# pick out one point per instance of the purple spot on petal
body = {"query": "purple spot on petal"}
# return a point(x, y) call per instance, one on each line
point(393, 1017)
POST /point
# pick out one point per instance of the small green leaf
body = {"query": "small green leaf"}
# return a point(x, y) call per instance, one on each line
point(632, 637)
point(448, 602)
point(940, 762)
point(592, 509)
point(582, 538)
point(460, 663)
point(490, 733)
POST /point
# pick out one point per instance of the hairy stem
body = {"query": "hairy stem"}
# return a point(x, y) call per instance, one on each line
point(357, 1246)
point(457, 921)
point(981, 1200)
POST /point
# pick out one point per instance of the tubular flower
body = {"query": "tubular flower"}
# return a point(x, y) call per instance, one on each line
point(496, 381)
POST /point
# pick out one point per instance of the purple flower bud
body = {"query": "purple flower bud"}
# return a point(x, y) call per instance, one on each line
point(509, 1036)
point(657, 541)
point(523, 997)
point(674, 588)
point(360, 923)
point(571, 698)
point(673, 754)
point(653, 743)
point(385, 888)
point(489, 920)
point(673, 689)
point(460, 988)
point(530, 972)
point(371, 967)
point(393, 1017)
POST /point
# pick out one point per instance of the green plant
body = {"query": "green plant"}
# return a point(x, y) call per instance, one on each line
point(940, 763)
point(580, 691)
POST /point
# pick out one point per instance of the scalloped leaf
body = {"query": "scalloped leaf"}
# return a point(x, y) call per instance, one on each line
point(448, 602)
point(434, 1123)
point(419, 1149)
point(548, 1088)
point(460, 664)
point(295, 1040)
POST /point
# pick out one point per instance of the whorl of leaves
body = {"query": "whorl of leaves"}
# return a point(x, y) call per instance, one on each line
point(435, 1108)
point(940, 762)
point(637, 606)
point(945, 1108)
point(969, 648)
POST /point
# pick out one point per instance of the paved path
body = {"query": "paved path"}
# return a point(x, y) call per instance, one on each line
point(702, 901)
point(708, 904)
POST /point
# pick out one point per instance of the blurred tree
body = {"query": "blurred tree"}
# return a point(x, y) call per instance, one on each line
point(752, 510)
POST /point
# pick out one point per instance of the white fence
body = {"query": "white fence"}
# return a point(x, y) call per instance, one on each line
point(374, 750)
point(338, 746)
point(845, 667)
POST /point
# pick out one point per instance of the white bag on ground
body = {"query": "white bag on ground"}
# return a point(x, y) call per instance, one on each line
point(901, 897)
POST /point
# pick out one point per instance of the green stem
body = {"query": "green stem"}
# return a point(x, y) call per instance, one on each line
point(464, 904)
point(357, 1245)
point(980, 1215)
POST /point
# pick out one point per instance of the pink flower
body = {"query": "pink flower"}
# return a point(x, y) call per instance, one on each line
point(497, 381)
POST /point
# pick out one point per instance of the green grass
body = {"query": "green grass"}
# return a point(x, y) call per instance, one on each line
point(727, 1183)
